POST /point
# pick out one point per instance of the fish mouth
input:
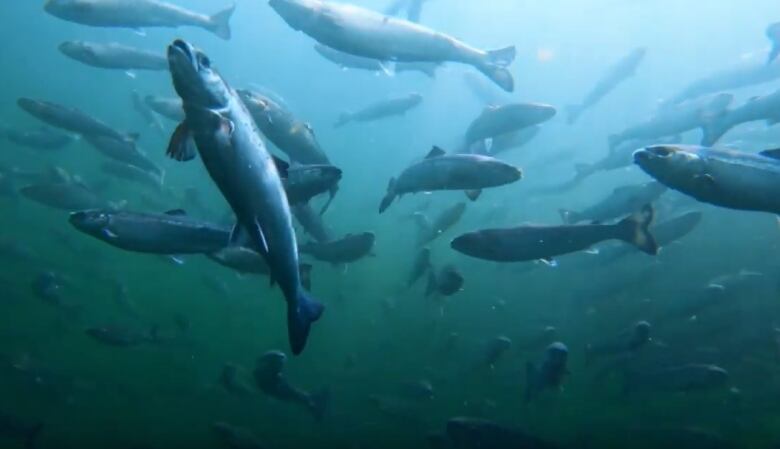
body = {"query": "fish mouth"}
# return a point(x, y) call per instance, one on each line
point(181, 54)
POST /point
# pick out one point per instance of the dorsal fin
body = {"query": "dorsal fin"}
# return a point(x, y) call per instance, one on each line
point(176, 212)
point(435, 152)
point(774, 154)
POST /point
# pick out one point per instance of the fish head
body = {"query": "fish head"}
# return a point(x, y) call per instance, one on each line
point(680, 166)
point(499, 172)
point(92, 222)
point(556, 354)
point(272, 361)
point(32, 106)
point(257, 103)
point(78, 50)
point(297, 13)
point(198, 84)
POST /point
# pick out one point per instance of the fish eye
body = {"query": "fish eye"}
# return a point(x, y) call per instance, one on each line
point(661, 151)
point(204, 61)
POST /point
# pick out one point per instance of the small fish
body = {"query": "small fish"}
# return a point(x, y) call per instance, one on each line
point(383, 109)
point(496, 121)
point(550, 374)
point(495, 348)
point(71, 119)
point(447, 282)
point(41, 139)
point(270, 379)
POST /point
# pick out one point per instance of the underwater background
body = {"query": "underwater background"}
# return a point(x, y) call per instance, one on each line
point(377, 334)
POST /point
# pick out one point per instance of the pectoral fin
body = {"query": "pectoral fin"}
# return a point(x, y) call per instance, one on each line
point(182, 146)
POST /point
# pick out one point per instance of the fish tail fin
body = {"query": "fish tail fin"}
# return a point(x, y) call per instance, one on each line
point(32, 436)
point(635, 230)
point(429, 71)
point(501, 57)
point(712, 131)
point(219, 23)
point(499, 75)
point(300, 316)
point(530, 382)
point(573, 113)
point(389, 196)
point(343, 119)
point(320, 403)
point(583, 170)
point(568, 216)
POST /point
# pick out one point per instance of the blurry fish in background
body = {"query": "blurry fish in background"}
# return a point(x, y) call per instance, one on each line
point(614, 76)
point(623, 200)
point(627, 342)
point(114, 56)
point(550, 374)
point(446, 282)
point(496, 121)
point(270, 379)
point(764, 108)
point(170, 108)
point(431, 230)
point(743, 75)
point(151, 119)
point(413, 8)
point(71, 119)
point(380, 110)
point(138, 14)
point(45, 139)
point(237, 437)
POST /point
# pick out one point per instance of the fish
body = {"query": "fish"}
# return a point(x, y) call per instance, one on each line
point(304, 182)
point(628, 342)
point(170, 108)
point(64, 196)
point(665, 233)
point(138, 14)
point(550, 374)
point(763, 108)
point(417, 390)
point(446, 282)
point(270, 379)
point(745, 74)
point(495, 121)
point(420, 266)
point(146, 112)
point(717, 176)
point(429, 231)
point(71, 119)
point(124, 152)
point(113, 56)
point(439, 171)
point(242, 259)
point(311, 222)
point(348, 61)
point(134, 174)
point(682, 378)
point(495, 348)
point(238, 162)
point(623, 200)
point(41, 139)
point(773, 33)
point(350, 248)
point(15, 427)
point(362, 32)
point(675, 119)
point(537, 242)
point(477, 433)
point(383, 109)
point(234, 379)
point(621, 71)
point(122, 337)
point(171, 233)
point(235, 437)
